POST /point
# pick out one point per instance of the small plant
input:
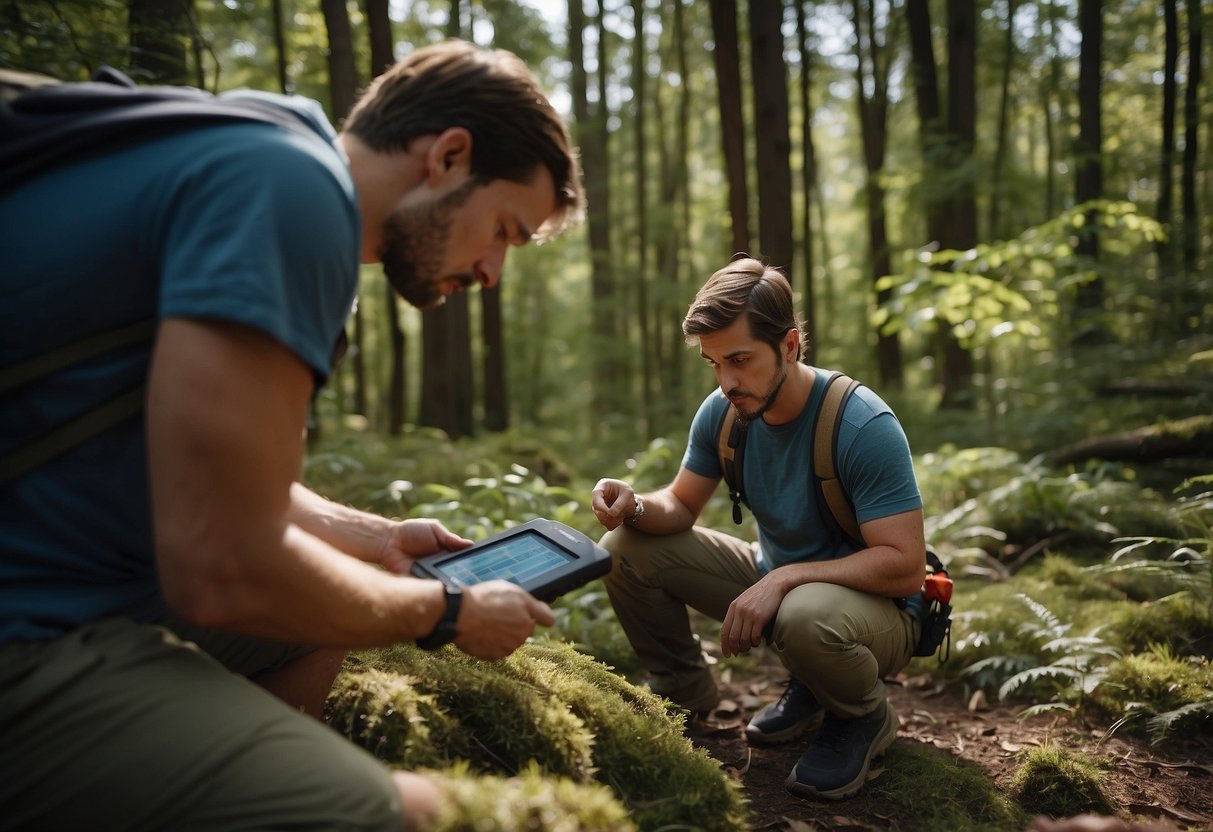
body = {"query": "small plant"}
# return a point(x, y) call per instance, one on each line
point(1071, 677)
point(1058, 783)
point(1159, 693)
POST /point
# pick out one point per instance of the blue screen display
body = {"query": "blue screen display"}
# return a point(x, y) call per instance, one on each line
point(515, 559)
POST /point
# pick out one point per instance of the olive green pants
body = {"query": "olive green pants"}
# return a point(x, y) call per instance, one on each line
point(838, 641)
point(126, 726)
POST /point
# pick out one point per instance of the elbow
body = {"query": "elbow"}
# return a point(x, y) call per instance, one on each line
point(196, 593)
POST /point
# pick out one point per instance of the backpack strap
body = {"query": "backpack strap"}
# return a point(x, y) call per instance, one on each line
point(729, 448)
point(839, 388)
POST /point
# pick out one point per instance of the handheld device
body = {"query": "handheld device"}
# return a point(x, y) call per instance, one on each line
point(544, 557)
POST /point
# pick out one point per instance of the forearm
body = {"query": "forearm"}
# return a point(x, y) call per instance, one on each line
point(299, 589)
point(664, 513)
point(878, 570)
point(357, 533)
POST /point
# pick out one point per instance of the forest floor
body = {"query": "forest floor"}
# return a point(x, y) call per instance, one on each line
point(1171, 787)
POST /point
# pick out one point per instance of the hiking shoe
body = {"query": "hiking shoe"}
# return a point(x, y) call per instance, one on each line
point(836, 763)
point(785, 719)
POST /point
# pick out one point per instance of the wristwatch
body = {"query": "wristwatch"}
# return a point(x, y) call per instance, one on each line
point(444, 631)
point(638, 513)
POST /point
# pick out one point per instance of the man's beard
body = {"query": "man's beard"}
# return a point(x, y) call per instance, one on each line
point(415, 240)
point(768, 400)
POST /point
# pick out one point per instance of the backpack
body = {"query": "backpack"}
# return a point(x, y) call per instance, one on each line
point(730, 446)
point(45, 124)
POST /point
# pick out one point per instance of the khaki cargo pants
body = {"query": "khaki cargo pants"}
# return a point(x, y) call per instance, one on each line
point(838, 641)
point(125, 726)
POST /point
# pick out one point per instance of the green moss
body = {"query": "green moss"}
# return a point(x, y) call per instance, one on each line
point(533, 801)
point(547, 706)
point(1055, 782)
point(1063, 572)
point(1159, 693)
point(1181, 622)
point(962, 797)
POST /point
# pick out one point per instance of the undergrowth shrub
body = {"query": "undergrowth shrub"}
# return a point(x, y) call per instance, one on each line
point(545, 705)
point(1055, 782)
point(1159, 694)
point(925, 788)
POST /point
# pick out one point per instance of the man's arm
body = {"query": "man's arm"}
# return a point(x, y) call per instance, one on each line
point(392, 544)
point(668, 510)
point(226, 409)
point(893, 565)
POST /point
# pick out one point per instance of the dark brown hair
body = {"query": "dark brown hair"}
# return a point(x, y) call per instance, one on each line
point(490, 93)
point(744, 287)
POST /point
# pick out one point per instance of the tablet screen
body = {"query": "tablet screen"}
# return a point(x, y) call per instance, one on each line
point(516, 559)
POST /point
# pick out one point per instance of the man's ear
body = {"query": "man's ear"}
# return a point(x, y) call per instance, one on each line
point(450, 152)
point(791, 345)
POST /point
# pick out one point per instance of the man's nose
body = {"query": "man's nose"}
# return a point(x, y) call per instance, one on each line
point(488, 268)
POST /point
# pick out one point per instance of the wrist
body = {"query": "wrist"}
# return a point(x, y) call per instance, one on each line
point(637, 512)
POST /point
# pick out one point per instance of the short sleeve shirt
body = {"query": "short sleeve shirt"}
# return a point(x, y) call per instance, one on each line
point(873, 460)
point(247, 222)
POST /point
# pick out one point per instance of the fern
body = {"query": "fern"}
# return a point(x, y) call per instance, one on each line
point(1160, 726)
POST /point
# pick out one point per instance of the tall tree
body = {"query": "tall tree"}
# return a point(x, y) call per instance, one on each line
point(590, 128)
point(1166, 173)
point(159, 30)
point(1191, 232)
point(872, 54)
point(279, 45)
point(732, 124)
point(998, 166)
point(772, 141)
point(1088, 181)
point(447, 383)
point(343, 72)
point(640, 166)
point(808, 183)
point(379, 30)
point(960, 227)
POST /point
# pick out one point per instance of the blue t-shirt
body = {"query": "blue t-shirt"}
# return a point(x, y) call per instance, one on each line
point(244, 222)
point(874, 467)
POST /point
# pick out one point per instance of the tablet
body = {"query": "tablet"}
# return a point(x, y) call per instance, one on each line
point(544, 557)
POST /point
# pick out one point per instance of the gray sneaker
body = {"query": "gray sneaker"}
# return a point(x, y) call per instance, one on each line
point(787, 718)
point(836, 763)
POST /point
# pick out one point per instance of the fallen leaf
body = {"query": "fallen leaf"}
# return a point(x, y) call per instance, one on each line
point(1010, 746)
point(977, 702)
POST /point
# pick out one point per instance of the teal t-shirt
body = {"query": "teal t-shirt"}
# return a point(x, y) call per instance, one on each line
point(874, 466)
point(249, 223)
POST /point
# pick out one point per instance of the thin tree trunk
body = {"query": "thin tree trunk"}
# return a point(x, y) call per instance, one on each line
point(379, 30)
point(1166, 174)
point(158, 31)
point(280, 46)
point(808, 179)
point(772, 137)
point(994, 229)
point(1089, 178)
point(1191, 223)
point(872, 70)
point(732, 124)
point(640, 206)
point(343, 74)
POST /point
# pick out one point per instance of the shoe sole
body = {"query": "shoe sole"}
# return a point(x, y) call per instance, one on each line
point(787, 735)
point(881, 744)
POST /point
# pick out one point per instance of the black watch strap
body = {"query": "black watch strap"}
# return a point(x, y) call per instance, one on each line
point(444, 631)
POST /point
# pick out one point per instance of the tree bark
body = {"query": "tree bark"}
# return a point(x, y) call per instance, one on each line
point(1166, 174)
point(808, 182)
point(280, 46)
point(872, 71)
point(995, 230)
point(379, 30)
point(343, 74)
point(1088, 184)
point(732, 125)
point(1185, 439)
point(159, 30)
point(1191, 224)
point(772, 142)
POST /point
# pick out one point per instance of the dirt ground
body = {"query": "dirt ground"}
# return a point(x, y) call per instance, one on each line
point(1171, 788)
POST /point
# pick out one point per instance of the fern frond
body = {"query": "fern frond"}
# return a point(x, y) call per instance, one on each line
point(1044, 708)
point(1034, 674)
point(1161, 725)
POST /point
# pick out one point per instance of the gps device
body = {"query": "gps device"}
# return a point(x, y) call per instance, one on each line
point(544, 557)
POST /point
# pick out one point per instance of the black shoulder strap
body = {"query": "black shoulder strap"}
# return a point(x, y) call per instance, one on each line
point(839, 388)
point(50, 125)
point(730, 447)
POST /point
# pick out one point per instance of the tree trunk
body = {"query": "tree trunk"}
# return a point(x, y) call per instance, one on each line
point(590, 131)
point(808, 181)
point(1166, 173)
point(280, 46)
point(995, 230)
point(772, 142)
point(732, 125)
point(343, 74)
point(648, 347)
point(1088, 184)
point(1191, 224)
point(960, 227)
point(871, 71)
point(379, 30)
point(159, 30)
point(496, 402)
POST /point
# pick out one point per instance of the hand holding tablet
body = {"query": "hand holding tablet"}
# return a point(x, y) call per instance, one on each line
point(544, 557)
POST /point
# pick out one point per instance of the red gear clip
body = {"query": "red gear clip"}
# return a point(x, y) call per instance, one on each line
point(938, 587)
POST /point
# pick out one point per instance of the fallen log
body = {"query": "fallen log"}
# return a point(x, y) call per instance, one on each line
point(1184, 439)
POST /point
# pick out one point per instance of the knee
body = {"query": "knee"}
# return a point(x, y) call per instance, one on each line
point(625, 546)
point(815, 616)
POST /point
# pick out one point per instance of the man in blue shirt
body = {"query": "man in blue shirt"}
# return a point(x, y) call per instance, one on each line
point(187, 524)
point(824, 605)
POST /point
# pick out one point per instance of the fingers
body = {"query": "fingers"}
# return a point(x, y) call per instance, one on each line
point(497, 617)
point(608, 501)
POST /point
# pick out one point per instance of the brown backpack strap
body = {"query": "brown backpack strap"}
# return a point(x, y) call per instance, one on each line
point(825, 437)
point(728, 449)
